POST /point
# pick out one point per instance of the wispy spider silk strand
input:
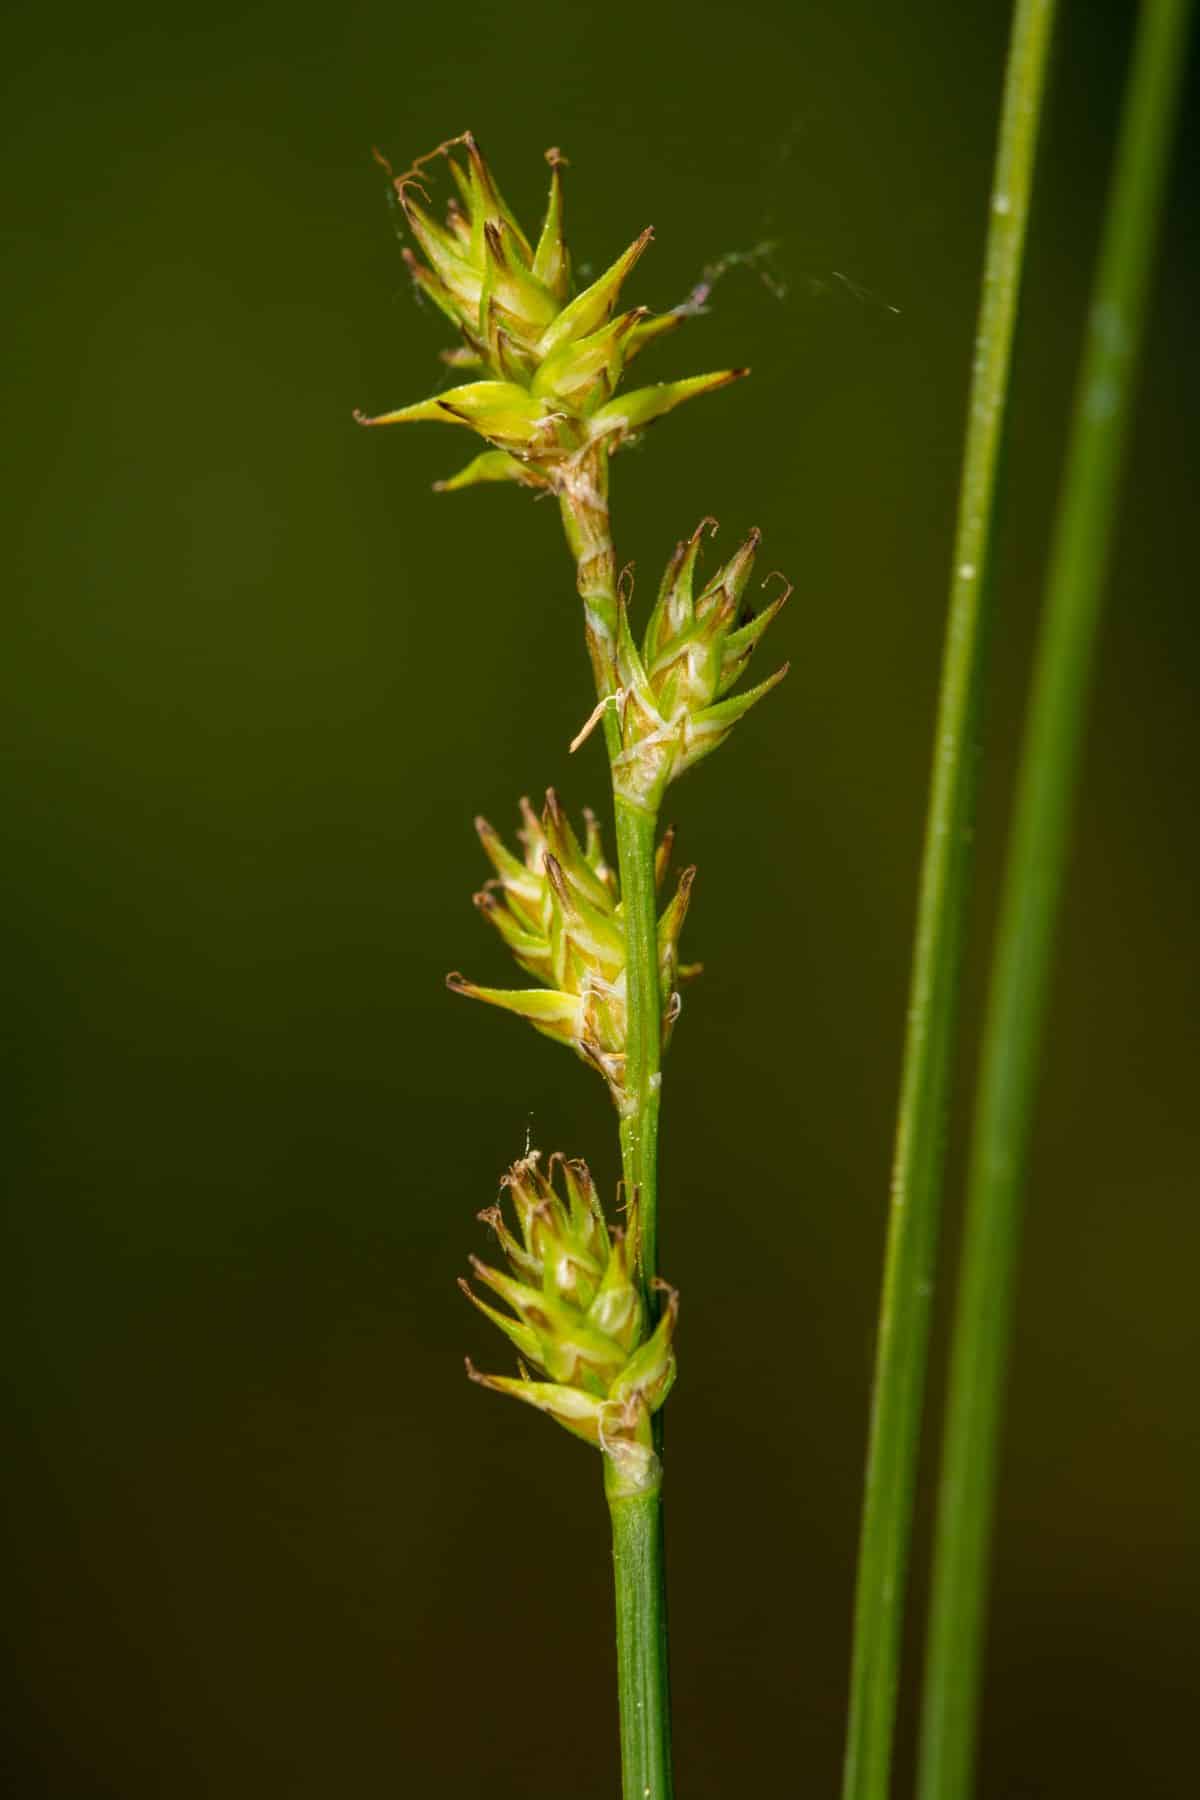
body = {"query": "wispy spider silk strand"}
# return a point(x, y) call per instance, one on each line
point(917, 1170)
point(1030, 902)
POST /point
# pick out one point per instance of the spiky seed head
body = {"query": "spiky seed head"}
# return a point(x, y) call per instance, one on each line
point(676, 699)
point(557, 907)
point(577, 1314)
point(548, 361)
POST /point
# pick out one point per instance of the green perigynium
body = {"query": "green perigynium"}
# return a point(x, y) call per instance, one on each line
point(558, 909)
point(550, 364)
point(578, 1316)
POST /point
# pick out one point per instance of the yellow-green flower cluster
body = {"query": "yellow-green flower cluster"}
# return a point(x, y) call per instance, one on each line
point(549, 364)
point(578, 1315)
point(557, 908)
point(674, 701)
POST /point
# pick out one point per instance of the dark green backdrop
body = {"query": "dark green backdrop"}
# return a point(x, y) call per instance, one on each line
point(268, 1541)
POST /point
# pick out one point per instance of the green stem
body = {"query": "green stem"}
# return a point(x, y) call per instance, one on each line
point(636, 831)
point(638, 1564)
point(1030, 903)
point(583, 503)
point(641, 1647)
point(583, 498)
point(918, 1160)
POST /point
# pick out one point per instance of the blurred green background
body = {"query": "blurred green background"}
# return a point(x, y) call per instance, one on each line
point(267, 1540)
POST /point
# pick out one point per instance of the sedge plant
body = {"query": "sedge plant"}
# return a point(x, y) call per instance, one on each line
point(581, 1301)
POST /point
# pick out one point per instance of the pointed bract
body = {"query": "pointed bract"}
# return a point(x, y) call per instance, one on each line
point(591, 309)
point(552, 260)
point(490, 465)
point(581, 1414)
point(633, 412)
point(493, 408)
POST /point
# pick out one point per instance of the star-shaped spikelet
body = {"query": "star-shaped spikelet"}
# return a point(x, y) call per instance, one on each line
point(577, 1315)
point(674, 698)
point(548, 361)
point(557, 908)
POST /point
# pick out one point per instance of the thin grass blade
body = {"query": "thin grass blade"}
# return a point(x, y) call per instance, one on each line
point(917, 1168)
point(1031, 900)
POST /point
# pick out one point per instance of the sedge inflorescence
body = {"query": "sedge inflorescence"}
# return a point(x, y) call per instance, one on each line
point(548, 364)
point(558, 909)
point(577, 1313)
point(544, 364)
